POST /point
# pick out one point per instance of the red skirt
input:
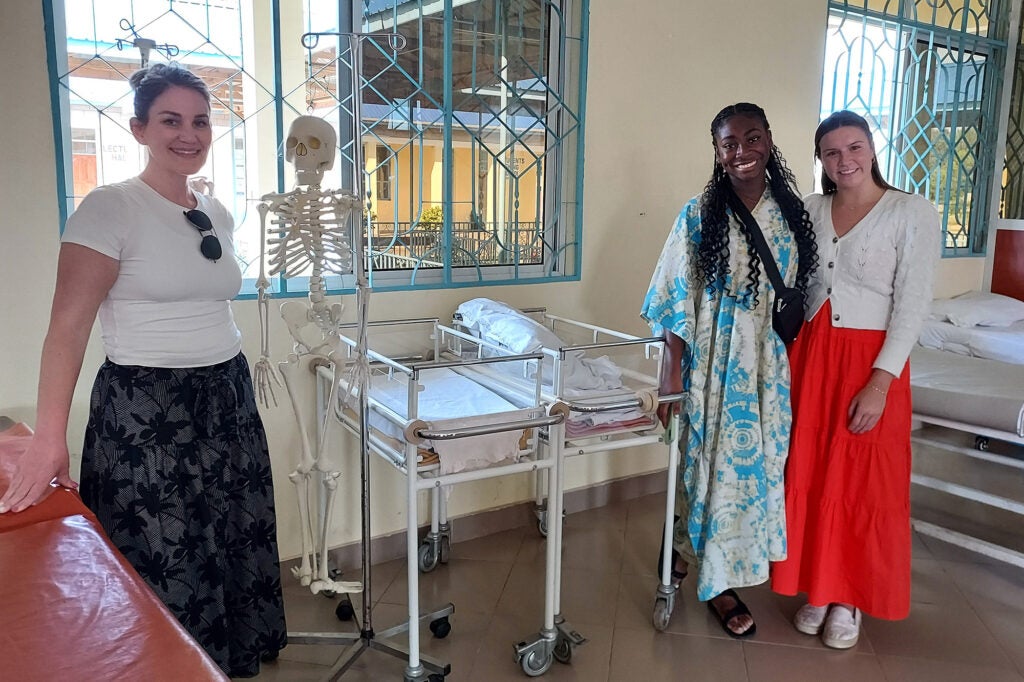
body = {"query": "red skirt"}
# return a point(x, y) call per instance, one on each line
point(847, 495)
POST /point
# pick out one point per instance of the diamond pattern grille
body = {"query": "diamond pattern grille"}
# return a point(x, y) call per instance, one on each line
point(926, 75)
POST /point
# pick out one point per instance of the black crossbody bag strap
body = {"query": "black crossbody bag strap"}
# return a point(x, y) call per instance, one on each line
point(771, 268)
point(788, 308)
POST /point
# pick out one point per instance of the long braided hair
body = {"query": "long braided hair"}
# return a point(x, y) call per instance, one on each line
point(713, 250)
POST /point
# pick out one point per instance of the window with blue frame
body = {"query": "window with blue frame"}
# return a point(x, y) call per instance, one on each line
point(471, 133)
point(927, 76)
point(1011, 205)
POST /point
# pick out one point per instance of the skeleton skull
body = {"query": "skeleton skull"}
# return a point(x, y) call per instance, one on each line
point(310, 146)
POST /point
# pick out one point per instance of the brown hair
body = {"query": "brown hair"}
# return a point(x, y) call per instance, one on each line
point(843, 119)
point(151, 82)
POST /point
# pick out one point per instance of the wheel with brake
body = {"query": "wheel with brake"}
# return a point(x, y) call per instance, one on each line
point(427, 558)
point(981, 443)
point(435, 677)
point(440, 627)
point(536, 664)
point(542, 524)
point(662, 614)
point(563, 651)
point(344, 610)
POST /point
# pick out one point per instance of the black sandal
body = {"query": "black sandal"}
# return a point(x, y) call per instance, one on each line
point(740, 609)
point(677, 577)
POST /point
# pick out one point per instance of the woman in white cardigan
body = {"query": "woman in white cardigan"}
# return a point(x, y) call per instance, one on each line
point(848, 474)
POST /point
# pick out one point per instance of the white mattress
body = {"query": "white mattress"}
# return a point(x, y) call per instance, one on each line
point(970, 390)
point(1005, 344)
point(448, 400)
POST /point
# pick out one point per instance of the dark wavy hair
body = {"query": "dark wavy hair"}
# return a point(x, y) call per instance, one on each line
point(151, 82)
point(842, 119)
point(713, 250)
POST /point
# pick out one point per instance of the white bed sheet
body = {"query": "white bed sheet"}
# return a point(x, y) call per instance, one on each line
point(449, 398)
point(586, 379)
point(1004, 344)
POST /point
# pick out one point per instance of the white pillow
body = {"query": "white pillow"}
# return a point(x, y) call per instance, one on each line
point(502, 324)
point(979, 308)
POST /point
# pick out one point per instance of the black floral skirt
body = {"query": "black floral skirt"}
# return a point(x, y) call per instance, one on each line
point(176, 467)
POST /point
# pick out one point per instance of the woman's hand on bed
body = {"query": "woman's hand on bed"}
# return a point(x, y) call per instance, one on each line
point(41, 467)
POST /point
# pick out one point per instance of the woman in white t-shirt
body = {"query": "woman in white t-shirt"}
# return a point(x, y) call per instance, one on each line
point(848, 474)
point(175, 463)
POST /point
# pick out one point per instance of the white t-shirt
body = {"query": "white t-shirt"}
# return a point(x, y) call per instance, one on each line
point(170, 305)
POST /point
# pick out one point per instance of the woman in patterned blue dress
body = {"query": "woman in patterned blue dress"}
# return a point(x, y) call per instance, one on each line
point(711, 302)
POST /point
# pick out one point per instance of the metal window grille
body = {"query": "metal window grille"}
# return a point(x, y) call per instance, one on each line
point(1012, 199)
point(480, 114)
point(927, 76)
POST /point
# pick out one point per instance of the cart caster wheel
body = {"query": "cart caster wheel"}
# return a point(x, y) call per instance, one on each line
point(542, 526)
point(427, 558)
point(662, 614)
point(536, 664)
point(440, 627)
point(562, 651)
point(446, 548)
point(344, 610)
point(435, 677)
point(981, 443)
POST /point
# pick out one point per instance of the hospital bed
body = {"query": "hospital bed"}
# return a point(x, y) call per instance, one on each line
point(608, 381)
point(981, 397)
point(433, 414)
point(71, 607)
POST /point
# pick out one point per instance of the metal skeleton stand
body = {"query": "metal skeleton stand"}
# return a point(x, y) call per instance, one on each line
point(420, 668)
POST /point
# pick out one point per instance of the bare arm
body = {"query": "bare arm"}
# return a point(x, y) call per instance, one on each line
point(84, 277)
point(671, 375)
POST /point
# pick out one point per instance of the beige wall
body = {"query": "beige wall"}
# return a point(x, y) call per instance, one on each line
point(652, 91)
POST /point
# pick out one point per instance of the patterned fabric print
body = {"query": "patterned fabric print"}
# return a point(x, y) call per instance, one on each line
point(176, 467)
point(735, 421)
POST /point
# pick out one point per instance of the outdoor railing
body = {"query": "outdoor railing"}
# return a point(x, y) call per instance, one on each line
point(404, 245)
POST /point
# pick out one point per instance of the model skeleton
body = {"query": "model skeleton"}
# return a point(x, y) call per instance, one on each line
point(307, 234)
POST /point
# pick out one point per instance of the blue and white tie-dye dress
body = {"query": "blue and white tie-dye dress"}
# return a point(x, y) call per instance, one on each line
point(735, 420)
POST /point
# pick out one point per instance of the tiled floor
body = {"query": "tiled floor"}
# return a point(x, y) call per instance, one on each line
point(966, 621)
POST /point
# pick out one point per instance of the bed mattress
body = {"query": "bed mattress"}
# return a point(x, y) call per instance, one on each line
point(1005, 344)
point(448, 399)
point(974, 391)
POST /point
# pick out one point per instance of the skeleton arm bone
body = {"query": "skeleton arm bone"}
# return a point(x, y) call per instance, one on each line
point(264, 374)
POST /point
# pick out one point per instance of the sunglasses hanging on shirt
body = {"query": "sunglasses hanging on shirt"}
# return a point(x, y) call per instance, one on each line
point(210, 246)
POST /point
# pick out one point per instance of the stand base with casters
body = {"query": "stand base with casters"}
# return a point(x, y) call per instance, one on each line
point(429, 670)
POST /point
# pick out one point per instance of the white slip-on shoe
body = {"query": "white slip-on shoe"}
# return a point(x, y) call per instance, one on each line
point(809, 619)
point(842, 627)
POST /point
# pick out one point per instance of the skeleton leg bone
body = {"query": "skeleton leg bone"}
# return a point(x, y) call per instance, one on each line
point(301, 475)
point(325, 465)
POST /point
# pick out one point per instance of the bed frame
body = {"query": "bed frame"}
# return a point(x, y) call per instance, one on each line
point(943, 413)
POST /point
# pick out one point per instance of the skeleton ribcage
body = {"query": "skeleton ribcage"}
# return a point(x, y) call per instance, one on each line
point(309, 235)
